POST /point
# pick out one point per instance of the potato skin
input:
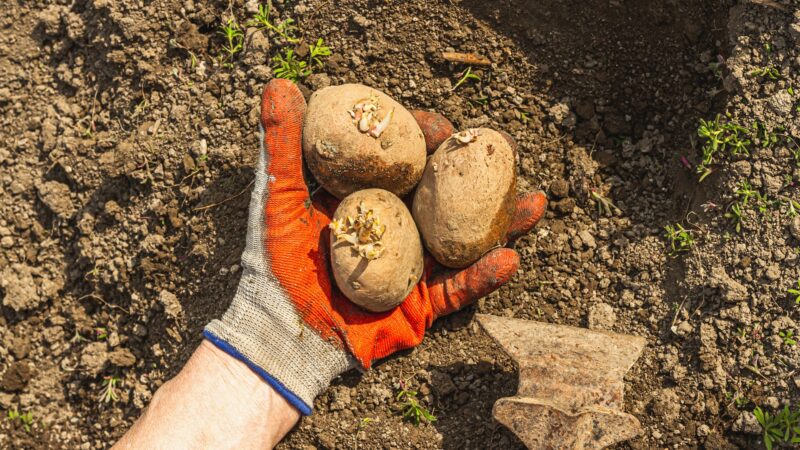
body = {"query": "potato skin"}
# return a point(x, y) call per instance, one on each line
point(466, 200)
point(383, 283)
point(345, 160)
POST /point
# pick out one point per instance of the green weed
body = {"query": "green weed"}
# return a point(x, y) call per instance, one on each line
point(412, 410)
point(788, 337)
point(735, 215)
point(25, 419)
point(796, 292)
point(317, 52)
point(680, 239)
point(289, 67)
point(285, 29)
point(468, 75)
point(234, 39)
point(108, 393)
point(718, 136)
point(780, 428)
point(770, 72)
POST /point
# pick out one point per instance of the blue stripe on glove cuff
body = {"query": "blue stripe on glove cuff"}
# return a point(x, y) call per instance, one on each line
point(277, 385)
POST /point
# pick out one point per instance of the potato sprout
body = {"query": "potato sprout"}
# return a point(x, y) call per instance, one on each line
point(365, 117)
point(363, 232)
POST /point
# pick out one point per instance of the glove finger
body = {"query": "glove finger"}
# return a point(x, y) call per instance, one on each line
point(451, 290)
point(435, 127)
point(530, 209)
point(282, 111)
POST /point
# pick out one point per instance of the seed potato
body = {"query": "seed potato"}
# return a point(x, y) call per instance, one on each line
point(356, 137)
point(376, 252)
point(466, 199)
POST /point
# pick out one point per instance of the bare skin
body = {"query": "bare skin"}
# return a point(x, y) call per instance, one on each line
point(215, 401)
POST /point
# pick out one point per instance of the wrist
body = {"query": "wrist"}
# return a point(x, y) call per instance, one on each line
point(215, 401)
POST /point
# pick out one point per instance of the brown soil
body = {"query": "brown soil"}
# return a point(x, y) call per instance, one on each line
point(127, 160)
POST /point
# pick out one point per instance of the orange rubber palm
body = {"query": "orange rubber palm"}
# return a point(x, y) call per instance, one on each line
point(288, 321)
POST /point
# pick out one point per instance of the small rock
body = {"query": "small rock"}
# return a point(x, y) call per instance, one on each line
point(559, 188)
point(442, 383)
point(171, 304)
point(57, 197)
point(794, 228)
point(587, 238)
point(20, 288)
point(16, 376)
point(773, 272)
point(601, 317)
point(732, 291)
point(340, 398)
point(667, 405)
point(122, 357)
point(318, 81)
point(94, 357)
point(746, 423)
point(703, 431)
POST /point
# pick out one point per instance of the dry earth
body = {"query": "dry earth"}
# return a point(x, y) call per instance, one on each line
point(127, 153)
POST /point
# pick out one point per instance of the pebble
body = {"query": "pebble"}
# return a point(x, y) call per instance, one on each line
point(601, 317)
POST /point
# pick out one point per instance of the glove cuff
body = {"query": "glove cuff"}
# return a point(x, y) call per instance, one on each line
point(298, 364)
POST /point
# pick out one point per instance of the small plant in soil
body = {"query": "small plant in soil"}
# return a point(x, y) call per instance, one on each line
point(788, 337)
point(796, 292)
point(468, 75)
point(288, 66)
point(719, 135)
point(108, 394)
point(284, 29)
point(101, 333)
point(735, 214)
point(24, 419)
point(793, 207)
point(234, 39)
point(604, 205)
point(412, 410)
point(316, 52)
point(780, 428)
point(770, 72)
point(680, 239)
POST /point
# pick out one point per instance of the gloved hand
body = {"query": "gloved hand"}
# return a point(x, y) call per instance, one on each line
point(288, 321)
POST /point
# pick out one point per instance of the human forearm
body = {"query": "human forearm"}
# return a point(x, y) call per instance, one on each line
point(215, 402)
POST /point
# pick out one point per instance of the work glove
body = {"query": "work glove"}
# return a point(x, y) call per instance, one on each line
point(288, 321)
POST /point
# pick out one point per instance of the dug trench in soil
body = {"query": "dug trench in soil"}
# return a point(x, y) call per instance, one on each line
point(126, 178)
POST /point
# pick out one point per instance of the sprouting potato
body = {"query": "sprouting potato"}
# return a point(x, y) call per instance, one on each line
point(376, 252)
point(466, 199)
point(356, 137)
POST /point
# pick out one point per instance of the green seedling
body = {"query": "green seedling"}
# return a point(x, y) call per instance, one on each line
point(412, 410)
point(745, 192)
point(25, 419)
point(793, 208)
point(766, 137)
point(289, 67)
point(735, 215)
point(108, 394)
point(788, 337)
point(767, 72)
point(680, 239)
point(284, 29)
point(317, 52)
point(101, 333)
point(796, 292)
point(234, 39)
point(717, 136)
point(468, 75)
point(780, 428)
